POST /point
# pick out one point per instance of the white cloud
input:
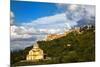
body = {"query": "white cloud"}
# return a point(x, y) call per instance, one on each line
point(48, 19)
point(11, 17)
point(22, 32)
point(73, 7)
point(90, 11)
point(22, 37)
point(52, 31)
point(76, 12)
point(12, 14)
point(51, 22)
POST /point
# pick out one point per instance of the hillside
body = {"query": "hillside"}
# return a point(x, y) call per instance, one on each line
point(81, 49)
point(71, 48)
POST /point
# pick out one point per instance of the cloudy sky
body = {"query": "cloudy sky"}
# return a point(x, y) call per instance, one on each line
point(32, 21)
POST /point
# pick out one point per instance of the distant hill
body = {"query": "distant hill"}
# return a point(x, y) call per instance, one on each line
point(71, 48)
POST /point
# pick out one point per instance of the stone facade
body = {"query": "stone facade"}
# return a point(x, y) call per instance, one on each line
point(56, 36)
point(35, 53)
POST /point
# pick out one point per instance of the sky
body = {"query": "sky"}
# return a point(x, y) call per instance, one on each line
point(32, 21)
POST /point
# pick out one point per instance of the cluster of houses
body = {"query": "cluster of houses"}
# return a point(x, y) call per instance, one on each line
point(76, 29)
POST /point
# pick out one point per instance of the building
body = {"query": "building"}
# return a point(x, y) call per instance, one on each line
point(54, 36)
point(35, 53)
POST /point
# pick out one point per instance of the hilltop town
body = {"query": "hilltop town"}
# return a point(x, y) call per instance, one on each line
point(75, 29)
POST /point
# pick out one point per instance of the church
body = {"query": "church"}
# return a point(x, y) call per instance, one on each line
point(35, 53)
